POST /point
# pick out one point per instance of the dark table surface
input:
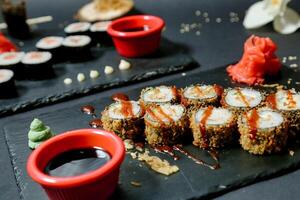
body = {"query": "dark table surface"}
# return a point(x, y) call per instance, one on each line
point(217, 44)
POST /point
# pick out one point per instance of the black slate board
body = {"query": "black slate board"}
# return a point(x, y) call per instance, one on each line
point(238, 168)
point(170, 58)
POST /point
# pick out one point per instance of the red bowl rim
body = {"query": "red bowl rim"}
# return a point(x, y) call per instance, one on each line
point(121, 34)
point(66, 182)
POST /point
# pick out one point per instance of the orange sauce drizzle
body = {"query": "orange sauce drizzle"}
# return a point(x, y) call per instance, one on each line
point(242, 97)
point(202, 124)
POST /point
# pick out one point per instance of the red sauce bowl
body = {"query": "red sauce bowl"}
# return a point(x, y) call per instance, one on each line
point(136, 36)
point(97, 184)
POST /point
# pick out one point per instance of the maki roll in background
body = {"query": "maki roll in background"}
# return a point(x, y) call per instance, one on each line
point(287, 102)
point(7, 84)
point(52, 44)
point(12, 61)
point(159, 95)
point(38, 65)
point(78, 28)
point(77, 47)
point(263, 131)
point(196, 96)
point(242, 99)
point(125, 118)
point(166, 124)
point(212, 127)
point(99, 33)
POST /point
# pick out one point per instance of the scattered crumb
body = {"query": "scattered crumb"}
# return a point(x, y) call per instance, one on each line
point(108, 70)
point(222, 186)
point(134, 155)
point(124, 65)
point(292, 58)
point(207, 20)
point(67, 81)
point(158, 165)
point(198, 33)
point(21, 44)
point(140, 165)
point(297, 83)
point(128, 144)
point(80, 77)
point(291, 152)
point(140, 149)
point(205, 14)
point(94, 74)
point(135, 183)
point(289, 81)
point(218, 20)
point(198, 13)
point(183, 74)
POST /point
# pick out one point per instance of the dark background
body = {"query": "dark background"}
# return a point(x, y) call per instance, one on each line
point(218, 44)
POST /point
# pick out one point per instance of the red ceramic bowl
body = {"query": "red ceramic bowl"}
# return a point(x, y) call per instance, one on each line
point(97, 184)
point(136, 36)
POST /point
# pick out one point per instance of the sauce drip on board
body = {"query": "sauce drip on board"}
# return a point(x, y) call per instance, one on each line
point(96, 123)
point(252, 122)
point(271, 99)
point(202, 124)
point(196, 160)
point(243, 98)
point(89, 109)
point(165, 149)
point(120, 97)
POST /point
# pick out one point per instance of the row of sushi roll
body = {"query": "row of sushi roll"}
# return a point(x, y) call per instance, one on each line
point(214, 117)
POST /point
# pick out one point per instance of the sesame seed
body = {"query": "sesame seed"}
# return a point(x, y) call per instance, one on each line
point(218, 20)
point(198, 33)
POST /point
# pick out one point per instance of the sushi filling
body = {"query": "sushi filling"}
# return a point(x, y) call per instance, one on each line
point(287, 100)
point(124, 109)
point(243, 97)
point(200, 92)
point(100, 26)
point(10, 58)
point(165, 113)
point(268, 119)
point(77, 41)
point(6, 75)
point(218, 116)
point(35, 57)
point(161, 94)
point(77, 27)
point(50, 42)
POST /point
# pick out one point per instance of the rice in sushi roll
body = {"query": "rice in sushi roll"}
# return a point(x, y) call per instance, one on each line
point(196, 96)
point(287, 102)
point(12, 61)
point(52, 44)
point(263, 131)
point(242, 99)
point(99, 33)
point(158, 95)
point(38, 65)
point(7, 83)
point(77, 47)
point(165, 124)
point(212, 127)
point(125, 118)
point(78, 28)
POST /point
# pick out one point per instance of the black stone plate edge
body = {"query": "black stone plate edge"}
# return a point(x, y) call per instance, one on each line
point(260, 177)
point(72, 94)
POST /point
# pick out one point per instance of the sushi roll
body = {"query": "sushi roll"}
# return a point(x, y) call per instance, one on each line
point(99, 33)
point(159, 95)
point(125, 118)
point(166, 124)
point(78, 28)
point(212, 127)
point(38, 65)
point(196, 96)
point(52, 44)
point(7, 83)
point(242, 99)
point(77, 47)
point(12, 61)
point(263, 131)
point(287, 102)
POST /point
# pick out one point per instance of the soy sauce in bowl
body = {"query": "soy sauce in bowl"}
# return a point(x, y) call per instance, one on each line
point(77, 162)
point(135, 29)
